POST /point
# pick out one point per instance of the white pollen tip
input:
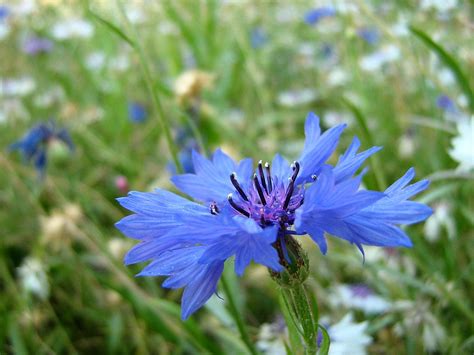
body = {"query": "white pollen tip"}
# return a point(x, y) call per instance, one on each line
point(267, 165)
point(260, 162)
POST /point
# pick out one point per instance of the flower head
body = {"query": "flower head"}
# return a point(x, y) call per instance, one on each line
point(369, 34)
point(34, 143)
point(37, 45)
point(314, 16)
point(33, 278)
point(137, 113)
point(258, 37)
point(253, 215)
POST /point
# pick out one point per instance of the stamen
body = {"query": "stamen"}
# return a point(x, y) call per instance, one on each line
point(237, 207)
point(262, 176)
point(214, 209)
point(262, 219)
point(314, 177)
point(233, 180)
point(259, 189)
point(269, 177)
point(296, 170)
point(300, 203)
point(289, 192)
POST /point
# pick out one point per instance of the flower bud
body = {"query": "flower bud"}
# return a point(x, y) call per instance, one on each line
point(296, 264)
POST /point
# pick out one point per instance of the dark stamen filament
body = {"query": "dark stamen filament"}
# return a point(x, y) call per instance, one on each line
point(259, 189)
point(269, 177)
point(233, 180)
point(289, 192)
point(300, 203)
point(237, 207)
point(296, 170)
point(262, 176)
point(291, 185)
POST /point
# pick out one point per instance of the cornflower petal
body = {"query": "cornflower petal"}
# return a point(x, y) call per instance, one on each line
point(211, 180)
point(361, 217)
point(318, 148)
point(350, 161)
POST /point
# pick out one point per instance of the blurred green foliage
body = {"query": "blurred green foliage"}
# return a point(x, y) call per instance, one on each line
point(254, 105)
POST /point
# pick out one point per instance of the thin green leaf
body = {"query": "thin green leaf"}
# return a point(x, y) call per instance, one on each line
point(18, 345)
point(374, 159)
point(326, 342)
point(293, 331)
point(314, 306)
point(449, 61)
point(115, 29)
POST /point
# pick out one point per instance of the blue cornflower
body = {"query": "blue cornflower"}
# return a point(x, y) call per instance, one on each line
point(369, 34)
point(37, 45)
point(4, 12)
point(258, 37)
point(137, 113)
point(33, 145)
point(255, 215)
point(312, 17)
point(445, 103)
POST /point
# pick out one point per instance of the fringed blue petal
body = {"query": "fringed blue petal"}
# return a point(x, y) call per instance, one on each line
point(318, 148)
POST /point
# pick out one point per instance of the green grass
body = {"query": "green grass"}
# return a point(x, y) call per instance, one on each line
point(95, 303)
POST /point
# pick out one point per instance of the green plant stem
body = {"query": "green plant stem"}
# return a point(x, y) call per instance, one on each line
point(301, 307)
point(237, 316)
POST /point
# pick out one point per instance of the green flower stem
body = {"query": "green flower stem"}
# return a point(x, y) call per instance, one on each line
point(302, 313)
point(237, 316)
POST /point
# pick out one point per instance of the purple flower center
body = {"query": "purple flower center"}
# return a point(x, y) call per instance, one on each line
point(267, 200)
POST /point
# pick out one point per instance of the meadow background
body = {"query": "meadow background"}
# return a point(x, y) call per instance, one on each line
point(137, 83)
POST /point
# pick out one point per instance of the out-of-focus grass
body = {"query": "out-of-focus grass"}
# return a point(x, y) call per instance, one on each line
point(95, 303)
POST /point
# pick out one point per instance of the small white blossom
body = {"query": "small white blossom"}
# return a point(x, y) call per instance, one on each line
point(375, 61)
point(17, 87)
point(72, 28)
point(439, 5)
point(462, 149)
point(270, 339)
point(348, 337)
point(358, 297)
point(95, 60)
point(440, 219)
point(292, 98)
point(33, 278)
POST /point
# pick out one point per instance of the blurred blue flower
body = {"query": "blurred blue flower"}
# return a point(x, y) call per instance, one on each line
point(4, 12)
point(312, 17)
point(369, 34)
point(445, 103)
point(36, 45)
point(137, 113)
point(258, 37)
point(33, 145)
point(252, 215)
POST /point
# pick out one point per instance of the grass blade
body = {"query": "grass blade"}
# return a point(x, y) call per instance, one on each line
point(113, 28)
point(449, 61)
point(375, 161)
